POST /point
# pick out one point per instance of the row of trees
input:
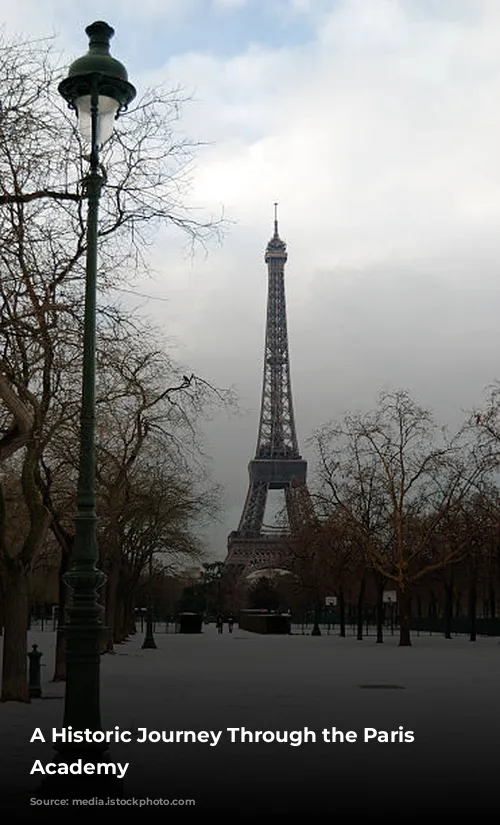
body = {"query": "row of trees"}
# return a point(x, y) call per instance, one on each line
point(153, 491)
point(402, 503)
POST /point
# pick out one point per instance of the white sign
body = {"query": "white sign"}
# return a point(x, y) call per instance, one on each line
point(390, 597)
point(331, 601)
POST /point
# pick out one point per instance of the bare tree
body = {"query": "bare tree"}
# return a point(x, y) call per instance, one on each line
point(410, 473)
point(148, 413)
point(42, 256)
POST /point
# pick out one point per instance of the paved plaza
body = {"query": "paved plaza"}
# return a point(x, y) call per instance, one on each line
point(446, 692)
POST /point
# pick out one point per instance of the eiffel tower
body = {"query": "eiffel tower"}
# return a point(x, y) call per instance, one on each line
point(278, 464)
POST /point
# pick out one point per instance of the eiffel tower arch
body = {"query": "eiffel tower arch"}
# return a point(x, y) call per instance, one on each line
point(278, 464)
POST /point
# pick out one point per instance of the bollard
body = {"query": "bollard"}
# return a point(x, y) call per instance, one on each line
point(34, 684)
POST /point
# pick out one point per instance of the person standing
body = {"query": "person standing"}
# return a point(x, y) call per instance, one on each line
point(230, 623)
point(219, 624)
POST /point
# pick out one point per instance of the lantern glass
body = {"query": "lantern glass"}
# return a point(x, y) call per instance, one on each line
point(107, 110)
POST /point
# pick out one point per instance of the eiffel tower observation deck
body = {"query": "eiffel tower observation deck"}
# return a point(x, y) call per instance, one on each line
point(278, 464)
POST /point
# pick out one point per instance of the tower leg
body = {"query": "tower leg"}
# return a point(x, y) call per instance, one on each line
point(255, 508)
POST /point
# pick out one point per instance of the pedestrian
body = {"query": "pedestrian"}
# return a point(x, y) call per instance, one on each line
point(219, 623)
point(230, 623)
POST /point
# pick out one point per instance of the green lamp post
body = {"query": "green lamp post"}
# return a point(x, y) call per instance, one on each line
point(149, 639)
point(97, 89)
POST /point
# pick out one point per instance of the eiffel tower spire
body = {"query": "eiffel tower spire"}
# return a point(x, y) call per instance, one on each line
point(278, 464)
point(277, 436)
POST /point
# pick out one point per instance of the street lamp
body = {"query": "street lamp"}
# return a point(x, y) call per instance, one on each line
point(97, 89)
point(149, 639)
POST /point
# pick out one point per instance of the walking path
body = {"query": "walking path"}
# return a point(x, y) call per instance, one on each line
point(446, 692)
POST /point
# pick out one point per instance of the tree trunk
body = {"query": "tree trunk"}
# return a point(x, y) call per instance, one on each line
point(342, 612)
point(448, 608)
point(111, 606)
point(60, 653)
point(131, 616)
point(15, 586)
point(492, 600)
point(120, 634)
point(472, 606)
point(404, 619)
point(360, 608)
point(380, 582)
point(316, 631)
point(124, 602)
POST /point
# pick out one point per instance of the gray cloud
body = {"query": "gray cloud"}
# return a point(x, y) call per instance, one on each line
point(380, 142)
point(379, 138)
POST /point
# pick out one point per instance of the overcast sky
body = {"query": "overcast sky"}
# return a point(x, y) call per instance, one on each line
point(376, 126)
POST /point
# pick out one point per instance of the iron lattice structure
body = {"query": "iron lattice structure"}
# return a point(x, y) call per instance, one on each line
point(278, 464)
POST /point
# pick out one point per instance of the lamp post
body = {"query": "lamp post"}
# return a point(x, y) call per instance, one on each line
point(149, 639)
point(97, 89)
